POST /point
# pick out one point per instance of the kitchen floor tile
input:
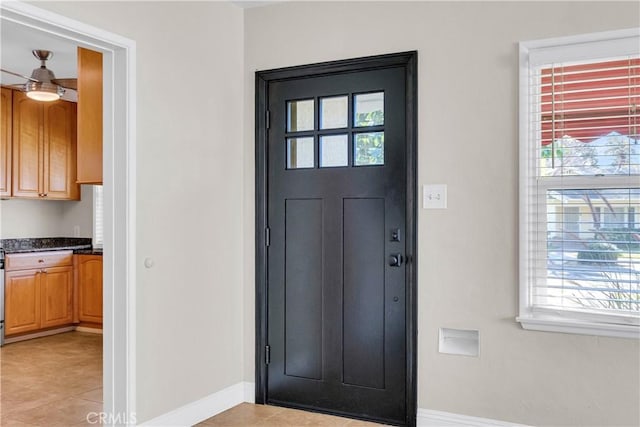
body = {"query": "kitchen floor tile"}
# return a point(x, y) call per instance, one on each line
point(51, 381)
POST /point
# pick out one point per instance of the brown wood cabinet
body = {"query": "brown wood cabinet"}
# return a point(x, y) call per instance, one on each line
point(38, 291)
point(89, 288)
point(22, 301)
point(44, 149)
point(56, 289)
point(89, 116)
point(6, 110)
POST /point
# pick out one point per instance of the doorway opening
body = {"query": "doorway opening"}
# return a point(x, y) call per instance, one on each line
point(118, 339)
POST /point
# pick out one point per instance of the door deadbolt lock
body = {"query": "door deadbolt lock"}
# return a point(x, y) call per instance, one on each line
point(396, 260)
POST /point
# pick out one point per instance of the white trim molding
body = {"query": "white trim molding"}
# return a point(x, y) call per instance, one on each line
point(200, 410)
point(249, 392)
point(119, 167)
point(533, 314)
point(432, 418)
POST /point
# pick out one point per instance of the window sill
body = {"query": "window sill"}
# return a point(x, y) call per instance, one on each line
point(549, 324)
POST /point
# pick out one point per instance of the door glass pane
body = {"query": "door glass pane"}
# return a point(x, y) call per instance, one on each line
point(368, 109)
point(300, 115)
point(334, 112)
point(368, 149)
point(334, 151)
point(300, 153)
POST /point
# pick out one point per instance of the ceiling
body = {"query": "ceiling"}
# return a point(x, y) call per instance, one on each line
point(16, 44)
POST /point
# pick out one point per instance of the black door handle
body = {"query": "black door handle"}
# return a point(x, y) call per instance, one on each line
point(396, 260)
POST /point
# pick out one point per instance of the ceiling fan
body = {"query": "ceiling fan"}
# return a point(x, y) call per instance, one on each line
point(43, 85)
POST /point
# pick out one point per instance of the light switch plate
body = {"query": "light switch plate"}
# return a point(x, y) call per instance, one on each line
point(434, 196)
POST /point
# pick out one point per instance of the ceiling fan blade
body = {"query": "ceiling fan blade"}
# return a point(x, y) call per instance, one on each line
point(67, 83)
point(18, 75)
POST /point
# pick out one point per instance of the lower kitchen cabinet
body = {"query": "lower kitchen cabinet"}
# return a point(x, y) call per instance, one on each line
point(89, 288)
point(38, 291)
point(56, 286)
point(22, 301)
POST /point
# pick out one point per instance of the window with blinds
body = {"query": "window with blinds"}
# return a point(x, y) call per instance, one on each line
point(580, 184)
point(98, 230)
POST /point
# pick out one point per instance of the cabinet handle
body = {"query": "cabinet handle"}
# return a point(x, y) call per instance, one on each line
point(40, 260)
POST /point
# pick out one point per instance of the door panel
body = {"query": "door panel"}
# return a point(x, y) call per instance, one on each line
point(90, 288)
point(6, 125)
point(22, 301)
point(336, 190)
point(27, 137)
point(57, 287)
point(59, 151)
point(363, 336)
point(303, 288)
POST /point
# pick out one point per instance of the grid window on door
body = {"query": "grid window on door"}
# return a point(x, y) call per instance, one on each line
point(338, 130)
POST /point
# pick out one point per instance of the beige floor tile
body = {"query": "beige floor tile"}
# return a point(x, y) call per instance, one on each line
point(273, 416)
point(244, 414)
point(65, 412)
point(51, 381)
point(94, 395)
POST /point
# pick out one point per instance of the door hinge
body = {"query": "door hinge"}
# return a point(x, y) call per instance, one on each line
point(268, 119)
point(267, 354)
point(267, 236)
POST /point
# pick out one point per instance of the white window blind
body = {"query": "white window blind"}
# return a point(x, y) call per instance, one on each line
point(580, 186)
point(98, 224)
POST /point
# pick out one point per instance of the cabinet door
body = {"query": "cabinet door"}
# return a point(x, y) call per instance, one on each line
point(22, 301)
point(59, 145)
point(89, 116)
point(90, 288)
point(57, 286)
point(5, 142)
point(27, 147)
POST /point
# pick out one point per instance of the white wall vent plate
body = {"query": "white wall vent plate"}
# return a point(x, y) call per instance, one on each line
point(462, 342)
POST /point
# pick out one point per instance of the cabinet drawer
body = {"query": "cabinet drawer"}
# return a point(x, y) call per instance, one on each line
point(32, 260)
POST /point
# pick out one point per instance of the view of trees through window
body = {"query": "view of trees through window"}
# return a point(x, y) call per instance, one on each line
point(589, 126)
point(593, 249)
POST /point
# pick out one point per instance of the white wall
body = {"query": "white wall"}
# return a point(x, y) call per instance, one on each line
point(189, 193)
point(39, 218)
point(467, 265)
point(78, 214)
point(46, 218)
point(30, 218)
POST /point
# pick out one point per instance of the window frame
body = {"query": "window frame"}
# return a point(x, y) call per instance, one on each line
point(97, 243)
point(585, 47)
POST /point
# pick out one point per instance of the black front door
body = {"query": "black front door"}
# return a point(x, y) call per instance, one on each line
point(336, 210)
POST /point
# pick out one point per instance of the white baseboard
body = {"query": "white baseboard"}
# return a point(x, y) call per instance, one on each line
point(198, 411)
point(431, 418)
point(249, 392)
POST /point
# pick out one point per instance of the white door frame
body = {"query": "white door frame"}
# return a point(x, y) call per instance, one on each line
point(119, 166)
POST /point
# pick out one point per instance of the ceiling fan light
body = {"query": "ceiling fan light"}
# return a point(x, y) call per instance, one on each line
point(46, 92)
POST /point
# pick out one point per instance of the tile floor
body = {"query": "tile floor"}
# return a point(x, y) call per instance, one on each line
point(247, 414)
point(51, 381)
point(57, 380)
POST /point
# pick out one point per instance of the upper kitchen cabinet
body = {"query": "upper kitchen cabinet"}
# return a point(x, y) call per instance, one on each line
point(44, 149)
point(89, 116)
point(5, 142)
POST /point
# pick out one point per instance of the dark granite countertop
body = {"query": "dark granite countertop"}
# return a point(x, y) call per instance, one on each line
point(14, 246)
point(94, 251)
